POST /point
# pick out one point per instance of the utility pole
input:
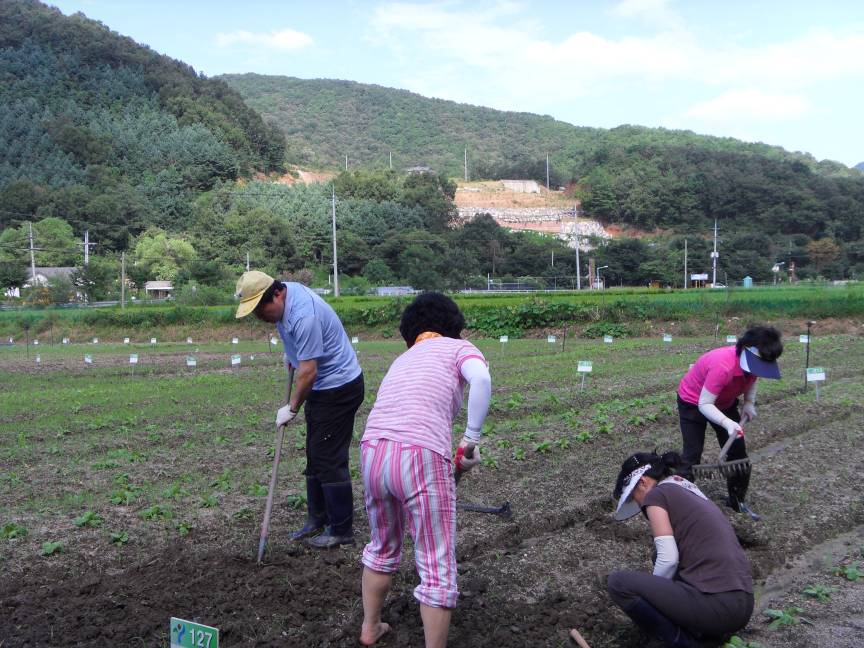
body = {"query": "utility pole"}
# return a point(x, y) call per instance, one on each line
point(547, 172)
point(346, 162)
point(247, 261)
point(466, 164)
point(714, 256)
point(391, 160)
point(685, 265)
point(32, 258)
point(335, 261)
point(122, 280)
point(576, 234)
point(87, 245)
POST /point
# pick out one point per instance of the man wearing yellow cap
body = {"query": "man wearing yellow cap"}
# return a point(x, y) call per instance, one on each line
point(330, 383)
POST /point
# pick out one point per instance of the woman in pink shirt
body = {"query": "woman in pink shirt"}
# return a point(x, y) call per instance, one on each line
point(406, 462)
point(709, 393)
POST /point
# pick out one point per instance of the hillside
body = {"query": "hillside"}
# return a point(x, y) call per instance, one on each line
point(630, 175)
point(860, 166)
point(100, 129)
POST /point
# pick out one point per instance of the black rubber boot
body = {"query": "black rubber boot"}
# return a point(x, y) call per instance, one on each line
point(340, 509)
point(655, 624)
point(316, 515)
point(737, 486)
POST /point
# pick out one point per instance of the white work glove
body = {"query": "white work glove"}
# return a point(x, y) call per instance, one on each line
point(748, 412)
point(733, 428)
point(284, 415)
point(463, 462)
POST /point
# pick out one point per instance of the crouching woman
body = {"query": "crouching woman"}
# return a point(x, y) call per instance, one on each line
point(702, 585)
point(406, 462)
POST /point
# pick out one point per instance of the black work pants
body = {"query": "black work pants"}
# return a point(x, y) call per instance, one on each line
point(700, 614)
point(329, 429)
point(693, 426)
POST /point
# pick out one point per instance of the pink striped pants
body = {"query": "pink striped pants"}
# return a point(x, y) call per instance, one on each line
point(407, 481)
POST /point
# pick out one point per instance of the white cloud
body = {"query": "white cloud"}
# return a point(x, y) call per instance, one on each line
point(749, 104)
point(652, 12)
point(284, 39)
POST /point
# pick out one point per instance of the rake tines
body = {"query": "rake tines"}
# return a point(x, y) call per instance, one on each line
point(722, 467)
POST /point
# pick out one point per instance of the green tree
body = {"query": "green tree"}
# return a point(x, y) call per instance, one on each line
point(13, 274)
point(161, 255)
point(378, 273)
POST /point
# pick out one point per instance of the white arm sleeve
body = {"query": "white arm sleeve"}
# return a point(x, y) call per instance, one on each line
point(750, 394)
point(709, 410)
point(476, 373)
point(666, 564)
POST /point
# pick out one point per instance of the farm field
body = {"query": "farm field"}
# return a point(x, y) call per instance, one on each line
point(144, 487)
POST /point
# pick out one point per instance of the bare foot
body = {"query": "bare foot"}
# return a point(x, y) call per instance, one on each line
point(370, 635)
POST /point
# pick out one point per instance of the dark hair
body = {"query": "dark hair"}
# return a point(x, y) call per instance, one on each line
point(268, 295)
point(431, 311)
point(766, 339)
point(661, 467)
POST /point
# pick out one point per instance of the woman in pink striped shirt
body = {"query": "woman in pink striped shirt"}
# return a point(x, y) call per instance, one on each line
point(406, 462)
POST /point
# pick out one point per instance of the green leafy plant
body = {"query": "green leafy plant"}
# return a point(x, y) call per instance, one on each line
point(527, 436)
point(583, 436)
point(563, 442)
point(515, 401)
point(89, 518)
point(208, 501)
point(11, 531)
point(519, 454)
point(257, 490)
point(175, 491)
point(155, 512)
point(119, 538)
point(780, 618)
point(850, 572)
point(183, 527)
point(489, 461)
point(51, 548)
point(244, 513)
point(543, 447)
point(296, 501)
point(737, 642)
point(505, 443)
point(223, 481)
point(820, 592)
point(636, 420)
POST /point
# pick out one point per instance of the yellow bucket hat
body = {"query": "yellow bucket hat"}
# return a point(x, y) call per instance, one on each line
point(250, 287)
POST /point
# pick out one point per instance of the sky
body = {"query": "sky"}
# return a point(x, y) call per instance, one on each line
point(787, 73)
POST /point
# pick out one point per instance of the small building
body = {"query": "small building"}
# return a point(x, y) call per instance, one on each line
point(748, 281)
point(394, 291)
point(44, 276)
point(418, 170)
point(158, 289)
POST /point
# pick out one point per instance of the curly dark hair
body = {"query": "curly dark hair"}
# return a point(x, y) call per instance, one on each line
point(434, 312)
point(766, 339)
point(268, 295)
point(662, 466)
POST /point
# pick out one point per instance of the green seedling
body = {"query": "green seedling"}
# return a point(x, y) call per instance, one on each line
point(123, 496)
point(354, 471)
point(244, 514)
point(89, 518)
point(489, 461)
point(820, 592)
point(606, 428)
point(850, 572)
point(636, 420)
point(652, 417)
point(780, 618)
point(271, 452)
point(183, 527)
point(563, 443)
point(583, 436)
point(527, 436)
point(519, 454)
point(505, 443)
point(488, 429)
point(208, 501)
point(296, 501)
point(543, 447)
point(119, 538)
point(221, 439)
point(11, 531)
point(175, 491)
point(223, 481)
point(156, 511)
point(515, 401)
point(51, 548)
point(257, 490)
point(666, 410)
point(737, 642)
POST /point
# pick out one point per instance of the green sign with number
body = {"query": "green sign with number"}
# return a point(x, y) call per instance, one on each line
point(186, 634)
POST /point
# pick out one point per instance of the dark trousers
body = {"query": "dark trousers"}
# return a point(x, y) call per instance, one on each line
point(329, 429)
point(700, 614)
point(693, 426)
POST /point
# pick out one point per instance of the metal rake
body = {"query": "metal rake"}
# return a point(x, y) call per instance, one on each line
point(724, 468)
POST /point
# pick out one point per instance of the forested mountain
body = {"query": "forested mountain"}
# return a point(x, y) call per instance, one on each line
point(860, 166)
point(110, 135)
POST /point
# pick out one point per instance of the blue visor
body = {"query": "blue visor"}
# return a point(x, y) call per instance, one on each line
point(752, 363)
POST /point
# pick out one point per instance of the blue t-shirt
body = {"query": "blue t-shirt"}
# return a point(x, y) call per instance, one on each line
point(311, 330)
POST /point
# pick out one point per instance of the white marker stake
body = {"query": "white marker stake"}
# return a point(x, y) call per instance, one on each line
point(133, 360)
point(35, 342)
point(95, 340)
point(153, 341)
point(667, 337)
point(88, 359)
point(608, 339)
point(274, 341)
point(731, 339)
point(235, 341)
point(584, 367)
point(804, 339)
point(551, 339)
point(188, 340)
point(816, 375)
point(355, 340)
point(38, 359)
point(191, 362)
point(65, 340)
point(125, 340)
point(235, 361)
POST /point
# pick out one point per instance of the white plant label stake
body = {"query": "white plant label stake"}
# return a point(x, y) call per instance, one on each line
point(551, 339)
point(191, 362)
point(133, 360)
point(804, 339)
point(38, 359)
point(667, 337)
point(355, 340)
point(816, 375)
point(235, 360)
point(235, 341)
point(731, 339)
point(584, 367)
point(153, 341)
point(65, 340)
point(88, 359)
point(608, 339)
point(95, 340)
point(188, 340)
point(35, 342)
point(125, 340)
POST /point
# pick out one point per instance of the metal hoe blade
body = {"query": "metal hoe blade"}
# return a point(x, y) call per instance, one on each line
point(504, 510)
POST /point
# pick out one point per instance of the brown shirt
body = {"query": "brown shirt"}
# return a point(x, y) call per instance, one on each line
point(709, 555)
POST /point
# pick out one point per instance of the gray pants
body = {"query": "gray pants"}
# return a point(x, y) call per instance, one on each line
point(709, 615)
